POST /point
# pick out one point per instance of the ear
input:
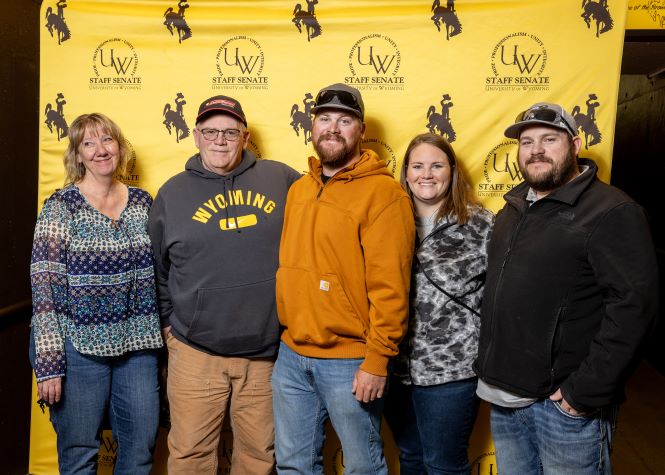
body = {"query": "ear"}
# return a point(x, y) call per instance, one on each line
point(197, 137)
point(245, 140)
point(362, 130)
point(577, 143)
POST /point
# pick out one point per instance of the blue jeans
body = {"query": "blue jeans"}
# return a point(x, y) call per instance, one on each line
point(543, 439)
point(431, 426)
point(128, 388)
point(308, 391)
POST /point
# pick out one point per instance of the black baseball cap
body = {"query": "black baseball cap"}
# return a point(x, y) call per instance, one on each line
point(221, 104)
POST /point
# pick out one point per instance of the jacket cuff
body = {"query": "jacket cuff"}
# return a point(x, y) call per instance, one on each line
point(375, 364)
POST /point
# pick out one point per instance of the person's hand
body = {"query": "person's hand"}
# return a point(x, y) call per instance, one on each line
point(368, 387)
point(558, 396)
point(166, 331)
point(50, 390)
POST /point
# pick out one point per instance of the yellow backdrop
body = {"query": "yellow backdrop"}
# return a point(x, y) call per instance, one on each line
point(462, 69)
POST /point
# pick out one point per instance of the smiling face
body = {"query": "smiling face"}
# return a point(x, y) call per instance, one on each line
point(547, 158)
point(336, 135)
point(221, 155)
point(99, 153)
point(428, 175)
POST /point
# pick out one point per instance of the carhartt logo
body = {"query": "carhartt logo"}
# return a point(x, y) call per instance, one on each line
point(115, 63)
point(518, 62)
point(307, 19)
point(302, 120)
point(240, 62)
point(175, 119)
point(324, 285)
point(440, 123)
point(55, 118)
point(374, 61)
point(586, 123)
point(447, 17)
point(500, 170)
point(598, 12)
point(176, 21)
point(55, 22)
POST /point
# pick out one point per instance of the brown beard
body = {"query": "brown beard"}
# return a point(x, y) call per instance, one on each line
point(335, 159)
point(557, 177)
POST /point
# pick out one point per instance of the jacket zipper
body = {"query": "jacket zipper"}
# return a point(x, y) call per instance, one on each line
point(499, 281)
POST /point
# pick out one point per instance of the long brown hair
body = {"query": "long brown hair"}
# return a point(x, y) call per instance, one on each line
point(458, 197)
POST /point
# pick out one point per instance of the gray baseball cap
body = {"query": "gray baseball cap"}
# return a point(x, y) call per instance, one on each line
point(543, 113)
point(340, 96)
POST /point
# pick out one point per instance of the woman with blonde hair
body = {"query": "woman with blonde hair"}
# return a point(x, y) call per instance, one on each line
point(432, 404)
point(95, 325)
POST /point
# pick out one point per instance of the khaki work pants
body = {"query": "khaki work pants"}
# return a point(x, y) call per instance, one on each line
point(199, 388)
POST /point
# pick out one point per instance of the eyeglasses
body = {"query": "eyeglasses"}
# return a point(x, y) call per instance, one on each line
point(344, 98)
point(545, 114)
point(230, 135)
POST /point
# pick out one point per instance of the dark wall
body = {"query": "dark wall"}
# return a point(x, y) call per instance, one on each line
point(638, 168)
point(19, 104)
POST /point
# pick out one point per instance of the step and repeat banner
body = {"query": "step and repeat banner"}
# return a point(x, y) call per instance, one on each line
point(462, 69)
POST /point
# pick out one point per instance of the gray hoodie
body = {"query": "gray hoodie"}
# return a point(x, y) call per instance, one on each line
point(216, 245)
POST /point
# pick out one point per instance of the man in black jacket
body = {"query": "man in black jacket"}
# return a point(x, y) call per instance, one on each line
point(571, 293)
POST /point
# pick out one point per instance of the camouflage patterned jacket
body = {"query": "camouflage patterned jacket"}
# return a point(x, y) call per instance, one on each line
point(442, 341)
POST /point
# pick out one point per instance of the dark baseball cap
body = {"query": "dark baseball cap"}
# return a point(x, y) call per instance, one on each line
point(223, 105)
point(340, 96)
point(543, 113)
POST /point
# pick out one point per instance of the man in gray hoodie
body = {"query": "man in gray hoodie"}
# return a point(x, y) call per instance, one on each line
point(215, 230)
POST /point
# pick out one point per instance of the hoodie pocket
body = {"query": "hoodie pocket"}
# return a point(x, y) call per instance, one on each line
point(316, 308)
point(238, 319)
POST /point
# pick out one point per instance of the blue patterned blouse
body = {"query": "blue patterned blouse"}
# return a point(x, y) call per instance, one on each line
point(92, 280)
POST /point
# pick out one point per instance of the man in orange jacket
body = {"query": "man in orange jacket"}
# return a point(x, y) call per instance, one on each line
point(342, 293)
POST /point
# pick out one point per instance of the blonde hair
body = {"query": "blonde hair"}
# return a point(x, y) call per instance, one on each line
point(74, 170)
point(458, 197)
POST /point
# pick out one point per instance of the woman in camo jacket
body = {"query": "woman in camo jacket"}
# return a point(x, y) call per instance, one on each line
point(432, 404)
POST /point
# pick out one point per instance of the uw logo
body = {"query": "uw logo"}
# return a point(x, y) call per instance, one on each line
point(518, 62)
point(240, 62)
point(175, 119)
point(130, 176)
point(375, 60)
point(176, 20)
point(383, 150)
point(55, 118)
point(307, 19)
point(440, 123)
point(500, 170)
point(302, 119)
point(599, 12)
point(446, 16)
point(587, 122)
point(484, 464)
point(56, 22)
point(115, 63)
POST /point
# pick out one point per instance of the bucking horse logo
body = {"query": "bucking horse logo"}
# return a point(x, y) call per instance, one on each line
point(586, 123)
point(55, 118)
point(177, 21)
point(302, 120)
point(307, 19)
point(600, 13)
point(446, 16)
point(440, 123)
point(55, 22)
point(175, 118)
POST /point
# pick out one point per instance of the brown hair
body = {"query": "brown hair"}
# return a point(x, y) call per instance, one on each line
point(458, 196)
point(74, 170)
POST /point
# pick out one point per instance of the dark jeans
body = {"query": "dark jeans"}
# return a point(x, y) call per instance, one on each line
point(431, 425)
